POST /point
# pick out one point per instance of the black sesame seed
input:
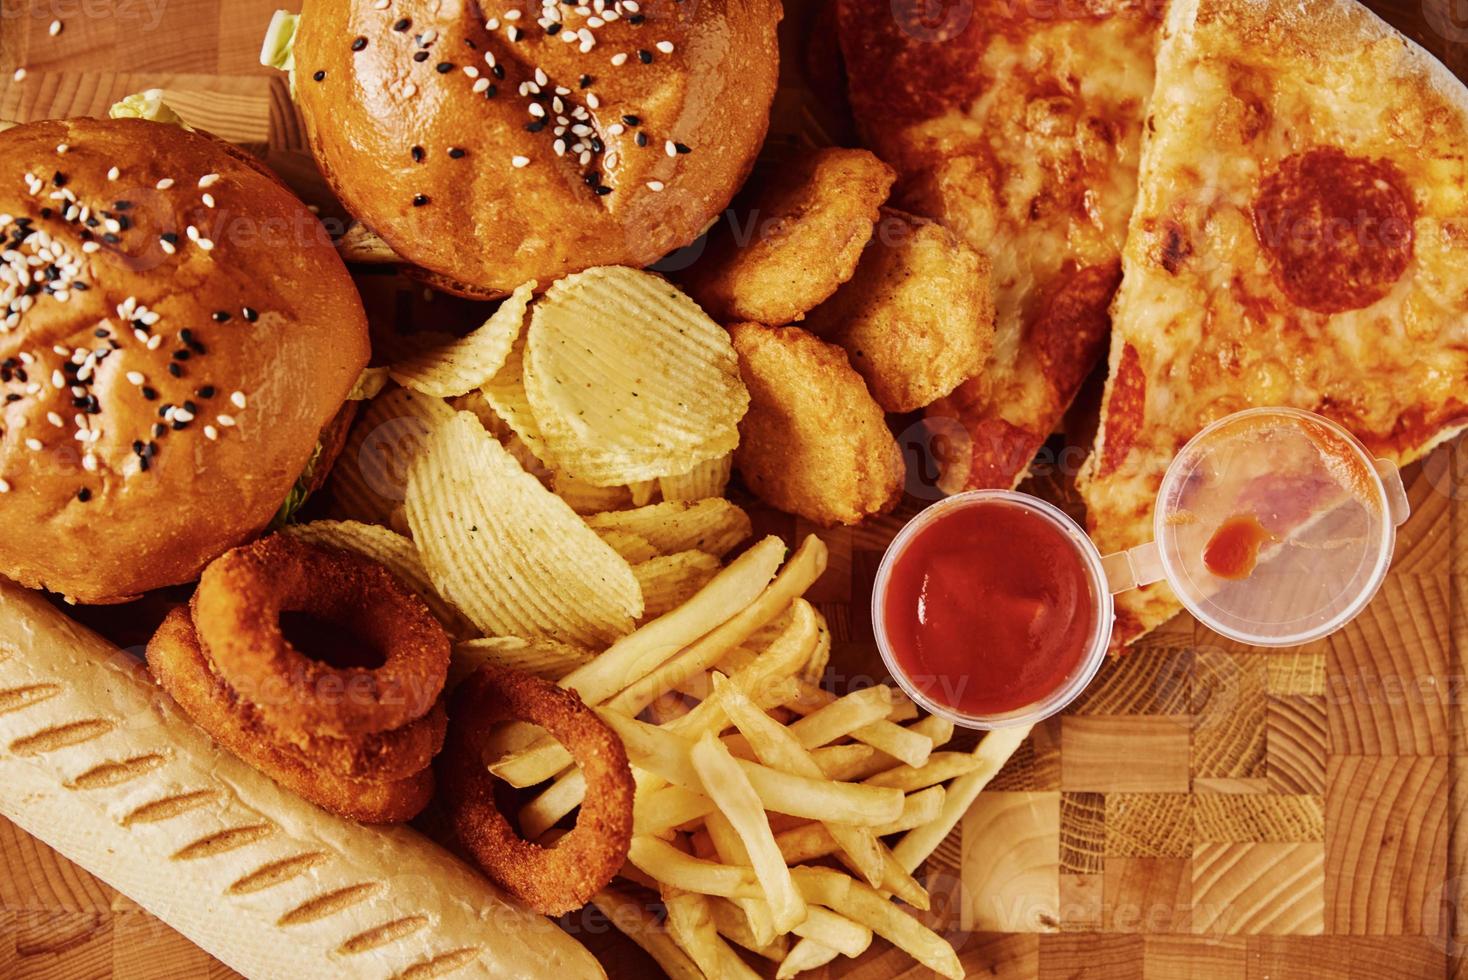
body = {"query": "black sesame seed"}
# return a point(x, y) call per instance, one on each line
point(186, 335)
point(46, 212)
point(319, 75)
point(444, 67)
point(491, 92)
point(420, 56)
point(176, 370)
point(641, 139)
point(632, 120)
point(143, 463)
point(644, 56)
point(585, 81)
point(206, 392)
point(12, 398)
point(220, 316)
point(123, 205)
point(597, 145)
point(84, 495)
point(177, 425)
point(169, 237)
point(101, 332)
point(403, 24)
point(682, 148)
point(181, 355)
point(592, 178)
point(535, 126)
point(602, 191)
point(191, 407)
point(249, 314)
point(111, 239)
point(159, 430)
point(419, 200)
point(124, 222)
point(137, 447)
point(359, 44)
point(456, 153)
point(498, 71)
point(150, 394)
point(552, 29)
point(636, 19)
point(417, 153)
point(59, 179)
point(80, 287)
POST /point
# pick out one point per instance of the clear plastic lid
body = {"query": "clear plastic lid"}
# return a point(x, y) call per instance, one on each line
point(1274, 526)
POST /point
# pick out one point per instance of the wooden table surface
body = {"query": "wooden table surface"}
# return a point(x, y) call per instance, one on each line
point(1205, 811)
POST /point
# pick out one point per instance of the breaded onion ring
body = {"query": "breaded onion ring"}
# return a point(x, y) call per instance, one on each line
point(550, 880)
point(392, 754)
point(178, 662)
point(237, 611)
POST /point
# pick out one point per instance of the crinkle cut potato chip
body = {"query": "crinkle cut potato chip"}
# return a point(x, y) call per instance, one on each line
point(370, 477)
point(550, 659)
point(628, 379)
point(466, 363)
point(511, 555)
point(714, 526)
point(505, 393)
point(393, 551)
point(707, 479)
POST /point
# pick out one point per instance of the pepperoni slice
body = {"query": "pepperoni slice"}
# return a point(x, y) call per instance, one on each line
point(1124, 411)
point(1337, 228)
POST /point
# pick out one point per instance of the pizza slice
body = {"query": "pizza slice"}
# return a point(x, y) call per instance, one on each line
point(1017, 126)
point(1300, 238)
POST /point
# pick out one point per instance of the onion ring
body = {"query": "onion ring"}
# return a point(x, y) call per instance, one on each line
point(391, 754)
point(551, 880)
point(237, 610)
point(177, 660)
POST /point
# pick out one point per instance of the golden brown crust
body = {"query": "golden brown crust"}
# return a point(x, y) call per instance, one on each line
point(917, 318)
point(551, 880)
point(293, 366)
point(178, 663)
point(787, 246)
point(486, 223)
point(814, 442)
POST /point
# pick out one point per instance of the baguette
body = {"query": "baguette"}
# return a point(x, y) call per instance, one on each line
point(98, 763)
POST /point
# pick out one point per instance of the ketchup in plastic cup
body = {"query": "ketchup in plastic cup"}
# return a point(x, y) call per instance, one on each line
point(1272, 526)
point(991, 609)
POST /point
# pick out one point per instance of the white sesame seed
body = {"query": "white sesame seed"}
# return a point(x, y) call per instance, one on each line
point(560, 147)
point(493, 24)
point(20, 77)
point(381, 4)
point(164, 184)
point(206, 244)
point(141, 336)
point(666, 47)
point(112, 225)
point(193, 233)
point(616, 129)
point(537, 110)
point(540, 77)
point(61, 149)
point(518, 162)
point(619, 59)
point(481, 85)
point(4, 486)
point(612, 160)
point(155, 342)
point(592, 100)
point(208, 180)
point(89, 463)
point(654, 185)
point(182, 415)
point(429, 36)
point(167, 246)
point(237, 399)
point(90, 247)
point(471, 71)
point(208, 200)
point(512, 14)
point(671, 148)
point(410, 89)
point(513, 34)
point(113, 173)
point(489, 58)
point(61, 351)
point(34, 445)
point(136, 377)
point(225, 420)
point(210, 432)
point(55, 28)
point(58, 380)
point(55, 419)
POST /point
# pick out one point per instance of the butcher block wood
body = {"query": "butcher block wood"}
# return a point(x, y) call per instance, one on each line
point(1204, 811)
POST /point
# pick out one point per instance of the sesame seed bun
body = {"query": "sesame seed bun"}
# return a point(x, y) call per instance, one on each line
point(454, 159)
point(189, 311)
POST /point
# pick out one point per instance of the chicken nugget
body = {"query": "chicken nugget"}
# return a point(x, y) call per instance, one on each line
point(792, 239)
point(814, 442)
point(917, 318)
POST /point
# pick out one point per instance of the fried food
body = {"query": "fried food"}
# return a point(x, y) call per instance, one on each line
point(814, 442)
point(177, 661)
point(917, 319)
point(237, 611)
point(713, 525)
point(798, 236)
point(550, 880)
point(463, 364)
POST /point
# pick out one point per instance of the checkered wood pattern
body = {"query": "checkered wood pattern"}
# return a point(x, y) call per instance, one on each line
point(1205, 811)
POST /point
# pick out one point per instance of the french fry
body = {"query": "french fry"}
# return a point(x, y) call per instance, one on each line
point(883, 734)
point(834, 932)
point(865, 905)
point(732, 965)
point(666, 754)
point(636, 655)
point(733, 925)
point(668, 707)
point(994, 750)
point(811, 841)
point(805, 955)
point(691, 925)
point(639, 924)
point(937, 730)
point(668, 581)
point(840, 717)
point(778, 748)
point(559, 799)
point(665, 864)
point(728, 848)
point(660, 810)
point(726, 784)
point(940, 767)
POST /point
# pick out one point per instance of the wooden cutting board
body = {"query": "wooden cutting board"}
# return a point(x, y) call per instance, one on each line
point(1205, 811)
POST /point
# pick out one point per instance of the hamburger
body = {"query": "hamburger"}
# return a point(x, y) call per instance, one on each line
point(493, 144)
point(177, 340)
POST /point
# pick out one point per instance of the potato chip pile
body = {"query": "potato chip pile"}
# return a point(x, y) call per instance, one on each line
point(557, 474)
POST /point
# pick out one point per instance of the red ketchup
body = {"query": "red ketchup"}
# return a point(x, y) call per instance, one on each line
point(989, 608)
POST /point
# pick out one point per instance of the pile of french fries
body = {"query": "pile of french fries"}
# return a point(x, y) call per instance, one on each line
point(767, 810)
